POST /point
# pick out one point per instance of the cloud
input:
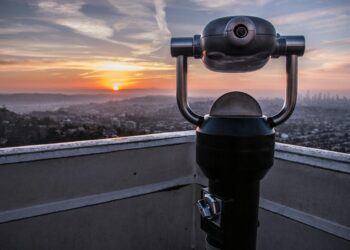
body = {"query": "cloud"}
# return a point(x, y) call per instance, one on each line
point(69, 14)
point(210, 4)
point(18, 28)
point(91, 28)
point(320, 19)
point(338, 42)
point(100, 64)
point(7, 62)
point(326, 63)
point(142, 24)
point(43, 48)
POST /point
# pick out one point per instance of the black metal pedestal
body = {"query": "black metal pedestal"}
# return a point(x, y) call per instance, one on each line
point(234, 152)
point(239, 216)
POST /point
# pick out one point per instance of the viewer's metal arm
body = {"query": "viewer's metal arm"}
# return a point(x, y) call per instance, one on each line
point(291, 91)
point(181, 91)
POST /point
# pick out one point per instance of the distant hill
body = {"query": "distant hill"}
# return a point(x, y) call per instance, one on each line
point(28, 102)
point(40, 98)
point(25, 103)
point(6, 115)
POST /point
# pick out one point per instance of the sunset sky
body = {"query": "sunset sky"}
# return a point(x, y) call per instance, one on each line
point(90, 46)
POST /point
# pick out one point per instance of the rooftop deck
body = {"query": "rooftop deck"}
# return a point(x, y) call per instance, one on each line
point(139, 193)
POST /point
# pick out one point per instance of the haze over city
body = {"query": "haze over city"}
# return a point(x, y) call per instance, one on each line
point(91, 46)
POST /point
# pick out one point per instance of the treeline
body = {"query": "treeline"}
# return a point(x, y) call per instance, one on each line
point(19, 130)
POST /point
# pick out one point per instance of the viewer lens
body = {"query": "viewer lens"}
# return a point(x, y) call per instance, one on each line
point(241, 31)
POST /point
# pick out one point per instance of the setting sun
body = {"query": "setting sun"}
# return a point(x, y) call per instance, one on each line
point(116, 87)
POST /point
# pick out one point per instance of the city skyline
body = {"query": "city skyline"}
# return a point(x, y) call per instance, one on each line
point(88, 46)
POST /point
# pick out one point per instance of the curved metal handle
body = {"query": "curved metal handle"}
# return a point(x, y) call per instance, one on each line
point(291, 92)
point(181, 92)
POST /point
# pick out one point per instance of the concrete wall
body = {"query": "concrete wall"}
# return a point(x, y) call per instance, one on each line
point(140, 193)
point(305, 208)
point(136, 195)
point(161, 220)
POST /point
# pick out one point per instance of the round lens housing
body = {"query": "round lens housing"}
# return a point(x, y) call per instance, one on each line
point(241, 31)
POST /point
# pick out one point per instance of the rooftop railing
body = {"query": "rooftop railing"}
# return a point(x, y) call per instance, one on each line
point(140, 192)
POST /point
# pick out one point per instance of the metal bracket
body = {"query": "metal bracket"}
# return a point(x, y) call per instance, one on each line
point(291, 92)
point(279, 118)
point(210, 207)
point(181, 92)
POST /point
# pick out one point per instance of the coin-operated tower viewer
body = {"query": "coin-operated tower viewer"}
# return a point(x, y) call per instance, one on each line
point(235, 142)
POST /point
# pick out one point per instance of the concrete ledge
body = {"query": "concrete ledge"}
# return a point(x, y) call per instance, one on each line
point(80, 148)
point(313, 157)
point(319, 158)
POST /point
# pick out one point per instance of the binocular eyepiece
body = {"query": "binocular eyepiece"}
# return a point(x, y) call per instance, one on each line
point(237, 44)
